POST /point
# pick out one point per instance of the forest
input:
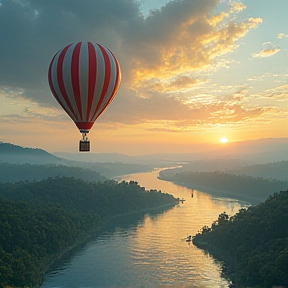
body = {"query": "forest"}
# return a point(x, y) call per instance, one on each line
point(40, 220)
point(253, 243)
point(22, 172)
point(277, 170)
point(244, 187)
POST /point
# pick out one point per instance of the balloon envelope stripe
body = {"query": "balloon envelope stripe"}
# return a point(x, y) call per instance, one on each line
point(75, 77)
point(51, 84)
point(54, 85)
point(92, 77)
point(116, 84)
point(84, 78)
point(107, 66)
point(109, 88)
point(100, 75)
point(61, 80)
point(67, 79)
point(117, 79)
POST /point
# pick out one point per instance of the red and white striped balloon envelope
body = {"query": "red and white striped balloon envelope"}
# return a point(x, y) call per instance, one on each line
point(84, 78)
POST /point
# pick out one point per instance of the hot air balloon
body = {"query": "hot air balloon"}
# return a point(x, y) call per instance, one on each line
point(84, 78)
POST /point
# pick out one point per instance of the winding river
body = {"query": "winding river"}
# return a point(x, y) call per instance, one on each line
point(151, 252)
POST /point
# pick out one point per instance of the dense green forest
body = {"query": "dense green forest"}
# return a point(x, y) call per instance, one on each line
point(41, 220)
point(277, 170)
point(248, 188)
point(253, 243)
point(16, 172)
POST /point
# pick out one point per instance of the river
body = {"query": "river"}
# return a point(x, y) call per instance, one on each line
point(149, 253)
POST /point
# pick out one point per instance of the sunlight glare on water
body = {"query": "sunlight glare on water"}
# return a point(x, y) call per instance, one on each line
point(152, 252)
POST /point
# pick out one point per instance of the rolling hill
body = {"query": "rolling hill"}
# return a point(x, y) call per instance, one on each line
point(17, 155)
point(277, 170)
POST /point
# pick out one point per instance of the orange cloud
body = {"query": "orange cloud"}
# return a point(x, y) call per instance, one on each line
point(237, 7)
point(171, 113)
point(282, 35)
point(177, 84)
point(214, 20)
point(266, 52)
point(189, 44)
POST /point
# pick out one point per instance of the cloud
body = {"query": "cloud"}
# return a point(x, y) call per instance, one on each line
point(238, 7)
point(166, 112)
point(282, 35)
point(160, 54)
point(173, 85)
point(183, 82)
point(192, 43)
point(214, 20)
point(266, 52)
point(278, 95)
point(33, 31)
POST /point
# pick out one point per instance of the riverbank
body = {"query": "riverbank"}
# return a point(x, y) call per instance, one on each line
point(243, 187)
point(85, 238)
point(127, 252)
point(252, 244)
point(219, 193)
point(225, 259)
point(42, 221)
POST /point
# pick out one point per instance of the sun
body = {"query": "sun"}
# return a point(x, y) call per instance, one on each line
point(223, 140)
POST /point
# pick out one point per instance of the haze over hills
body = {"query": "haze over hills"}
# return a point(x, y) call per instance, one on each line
point(278, 170)
point(258, 151)
point(255, 146)
point(208, 157)
point(14, 154)
point(98, 157)
point(252, 152)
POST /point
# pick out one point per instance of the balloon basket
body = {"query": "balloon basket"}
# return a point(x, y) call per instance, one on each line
point(84, 143)
point(84, 146)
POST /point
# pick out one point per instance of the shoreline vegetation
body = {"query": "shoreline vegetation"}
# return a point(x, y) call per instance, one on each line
point(89, 235)
point(216, 192)
point(55, 215)
point(253, 190)
point(251, 245)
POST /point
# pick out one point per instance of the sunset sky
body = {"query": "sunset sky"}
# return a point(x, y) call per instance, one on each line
point(193, 71)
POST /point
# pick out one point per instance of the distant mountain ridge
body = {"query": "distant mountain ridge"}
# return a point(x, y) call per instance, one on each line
point(15, 149)
point(10, 153)
point(259, 151)
point(97, 157)
point(14, 154)
point(209, 157)
point(277, 170)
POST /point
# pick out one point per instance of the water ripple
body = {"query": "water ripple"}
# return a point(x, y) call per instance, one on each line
point(152, 253)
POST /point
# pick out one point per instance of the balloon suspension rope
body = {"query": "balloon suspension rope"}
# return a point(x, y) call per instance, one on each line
point(84, 136)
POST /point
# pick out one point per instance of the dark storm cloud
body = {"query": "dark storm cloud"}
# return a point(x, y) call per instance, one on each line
point(179, 37)
point(147, 38)
point(33, 31)
point(162, 26)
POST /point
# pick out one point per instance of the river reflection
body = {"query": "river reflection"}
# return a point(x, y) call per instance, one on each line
point(148, 250)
